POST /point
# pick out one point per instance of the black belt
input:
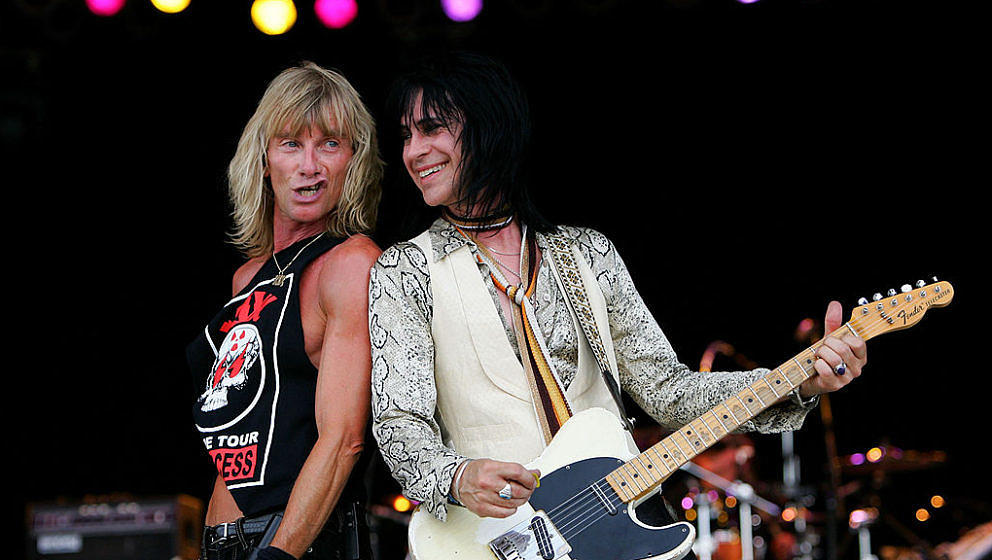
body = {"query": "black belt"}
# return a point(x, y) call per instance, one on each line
point(240, 531)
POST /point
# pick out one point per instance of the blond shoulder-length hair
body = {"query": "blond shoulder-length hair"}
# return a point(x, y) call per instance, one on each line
point(299, 98)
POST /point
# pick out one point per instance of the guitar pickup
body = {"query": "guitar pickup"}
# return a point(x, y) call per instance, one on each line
point(534, 539)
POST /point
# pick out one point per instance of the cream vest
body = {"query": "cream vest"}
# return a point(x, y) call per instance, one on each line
point(484, 403)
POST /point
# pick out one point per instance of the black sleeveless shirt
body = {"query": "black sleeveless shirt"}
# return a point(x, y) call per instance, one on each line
point(255, 414)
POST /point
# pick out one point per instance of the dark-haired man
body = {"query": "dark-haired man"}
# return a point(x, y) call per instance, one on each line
point(478, 358)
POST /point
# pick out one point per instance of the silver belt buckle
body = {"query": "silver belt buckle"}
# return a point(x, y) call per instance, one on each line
point(223, 531)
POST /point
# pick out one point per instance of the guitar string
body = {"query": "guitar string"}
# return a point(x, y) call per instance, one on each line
point(587, 495)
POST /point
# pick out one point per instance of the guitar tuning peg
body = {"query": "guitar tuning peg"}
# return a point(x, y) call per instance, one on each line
point(876, 297)
point(863, 301)
point(920, 283)
point(905, 288)
point(891, 292)
point(934, 278)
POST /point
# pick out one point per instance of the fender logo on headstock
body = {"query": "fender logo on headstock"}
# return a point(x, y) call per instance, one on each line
point(907, 316)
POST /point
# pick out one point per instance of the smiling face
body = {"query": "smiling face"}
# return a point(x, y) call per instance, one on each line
point(432, 156)
point(307, 171)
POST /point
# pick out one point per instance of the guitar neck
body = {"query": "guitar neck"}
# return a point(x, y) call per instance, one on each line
point(642, 474)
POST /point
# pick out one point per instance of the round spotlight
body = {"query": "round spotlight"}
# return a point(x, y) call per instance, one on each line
point(461, 10)
point(402, 504)
point(335, 14)
point(171, 6)
point(273, 17)
point(105, 7)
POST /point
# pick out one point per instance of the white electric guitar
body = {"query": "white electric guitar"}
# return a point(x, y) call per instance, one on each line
point(584, 506)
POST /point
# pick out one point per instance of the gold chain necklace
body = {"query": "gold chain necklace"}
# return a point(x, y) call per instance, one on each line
point(280, 278)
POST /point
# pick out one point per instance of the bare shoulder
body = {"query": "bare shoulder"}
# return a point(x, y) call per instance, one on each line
point(344, 270)
point(245, 273)
point(354, 255)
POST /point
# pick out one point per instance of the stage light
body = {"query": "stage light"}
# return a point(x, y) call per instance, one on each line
point(402, 504)
point(922, 515)
point(731, 501)
point(273, 17)
point(171, 6)
point(874, 454)
point(857, 459)
point(461, 10)
point(335, 14)
point(687, 503)
point(860, 517)
point(937, 501)
point(789, 514)
point(690, 515)
point(105, 7)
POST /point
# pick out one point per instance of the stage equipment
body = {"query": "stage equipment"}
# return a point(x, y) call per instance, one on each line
point(166, 528)
point(860, 520)
point(745, 498)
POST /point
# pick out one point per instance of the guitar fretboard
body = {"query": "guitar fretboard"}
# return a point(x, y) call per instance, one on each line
point(644, 473)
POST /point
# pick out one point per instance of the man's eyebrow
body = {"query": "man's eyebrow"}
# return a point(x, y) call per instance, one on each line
point(428, 122)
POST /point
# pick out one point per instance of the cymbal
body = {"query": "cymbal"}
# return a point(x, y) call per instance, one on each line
point(890, 460)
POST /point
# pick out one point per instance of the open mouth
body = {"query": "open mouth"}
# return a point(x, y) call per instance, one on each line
point(431, 170)
point(311, 189)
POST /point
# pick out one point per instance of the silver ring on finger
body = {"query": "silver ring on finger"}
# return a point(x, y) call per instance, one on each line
point(506, 492)
point(841, 369)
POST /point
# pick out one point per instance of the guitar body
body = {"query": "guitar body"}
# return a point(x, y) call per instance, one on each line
point(589, 446)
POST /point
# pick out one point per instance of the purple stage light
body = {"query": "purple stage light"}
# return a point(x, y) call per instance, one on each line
point(461, 10)
point(105, 7)
point(336, 14)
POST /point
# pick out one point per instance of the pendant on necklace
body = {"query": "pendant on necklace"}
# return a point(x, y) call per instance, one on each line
point(278, 280)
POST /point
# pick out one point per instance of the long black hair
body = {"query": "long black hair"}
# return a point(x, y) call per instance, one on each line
point(479, 94)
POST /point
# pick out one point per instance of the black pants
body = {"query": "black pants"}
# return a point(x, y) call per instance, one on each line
point(345, 536)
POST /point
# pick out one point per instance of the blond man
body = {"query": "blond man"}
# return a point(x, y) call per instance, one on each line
point(284, 368)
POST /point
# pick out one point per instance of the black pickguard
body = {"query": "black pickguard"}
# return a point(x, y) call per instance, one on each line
point(612, 537)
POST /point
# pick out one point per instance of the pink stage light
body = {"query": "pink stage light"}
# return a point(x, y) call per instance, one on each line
point(461, 10)
point(105, 7)
point(335, 13)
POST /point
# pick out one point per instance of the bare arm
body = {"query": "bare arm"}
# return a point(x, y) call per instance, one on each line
point(222, 507)
point(343, 396)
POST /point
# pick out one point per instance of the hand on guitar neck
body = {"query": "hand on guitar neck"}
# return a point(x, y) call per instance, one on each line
point(480, 483)
point(846, 349)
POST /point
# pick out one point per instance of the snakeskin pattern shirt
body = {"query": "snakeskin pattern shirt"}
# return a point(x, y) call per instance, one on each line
point(403, 391)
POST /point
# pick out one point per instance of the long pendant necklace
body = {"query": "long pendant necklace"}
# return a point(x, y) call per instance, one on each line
point(280, 278)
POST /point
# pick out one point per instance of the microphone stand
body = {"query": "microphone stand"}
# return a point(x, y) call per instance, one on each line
point(744, 493)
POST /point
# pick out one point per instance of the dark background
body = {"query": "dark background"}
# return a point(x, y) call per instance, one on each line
point(751, 162)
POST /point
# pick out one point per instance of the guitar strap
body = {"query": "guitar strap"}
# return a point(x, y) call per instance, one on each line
point(568, 271)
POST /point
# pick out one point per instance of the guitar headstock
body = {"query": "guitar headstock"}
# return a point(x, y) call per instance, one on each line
point(899, 310)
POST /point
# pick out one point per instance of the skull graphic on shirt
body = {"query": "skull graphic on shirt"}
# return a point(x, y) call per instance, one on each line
point(235, 357)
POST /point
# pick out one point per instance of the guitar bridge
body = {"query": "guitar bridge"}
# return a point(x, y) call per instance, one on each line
point(535, 539)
